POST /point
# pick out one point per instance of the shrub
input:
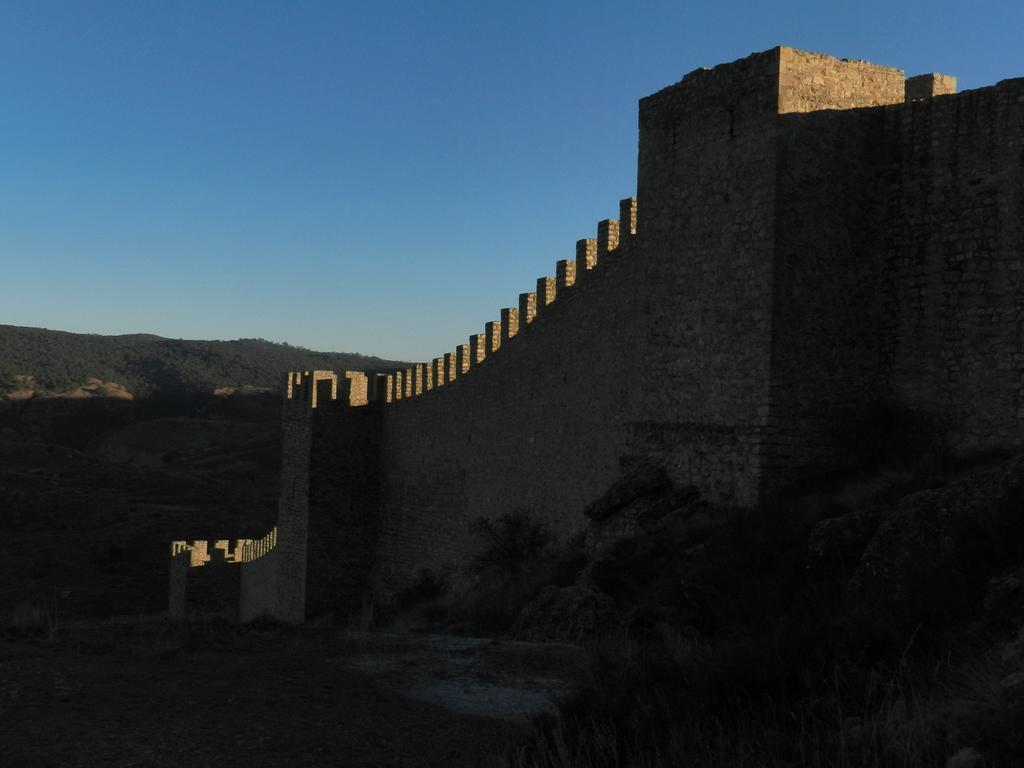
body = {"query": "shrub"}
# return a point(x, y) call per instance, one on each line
point(510, 541)
point(516, 560)
point(428, 586)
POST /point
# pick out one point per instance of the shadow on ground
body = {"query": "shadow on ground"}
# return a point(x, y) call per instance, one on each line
point(147, 693)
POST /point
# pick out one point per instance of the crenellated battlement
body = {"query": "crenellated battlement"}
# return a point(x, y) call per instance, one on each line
point(200, 552)
point(565, 275)
point(509, 323)
point(313, 388)
point(607, 237)
point(255, 549)
point(383, 388)
point(492, 332)
point(527, 309)
point(442, 371)
point(477, 349)
point(586, 256)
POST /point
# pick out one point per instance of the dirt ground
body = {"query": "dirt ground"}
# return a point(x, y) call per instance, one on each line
point(150, 694)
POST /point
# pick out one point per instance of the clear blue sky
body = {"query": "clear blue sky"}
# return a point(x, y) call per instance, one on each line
point(372, 177)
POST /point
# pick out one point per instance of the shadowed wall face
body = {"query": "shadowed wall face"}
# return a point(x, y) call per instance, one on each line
point(275, 583)
point(211, 588)
point(898, 275)
point(760, 226)
point(344, 508)
point(705, 227)
point(538, 424)
point(177, 592)
point(954, 234)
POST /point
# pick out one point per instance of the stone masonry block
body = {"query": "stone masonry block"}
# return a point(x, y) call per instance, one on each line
point(527, 308)
point(509, 323)
point(565, 274)
point(492, 330)
point(478, 348)
point(927, 86)
point(546, 288)
point(607, 236)
point(586, 256)
point(382, 388)
point(627, 218)
point(354, 388)
point(463, 359)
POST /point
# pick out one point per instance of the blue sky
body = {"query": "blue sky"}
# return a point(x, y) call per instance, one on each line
point(371, 177)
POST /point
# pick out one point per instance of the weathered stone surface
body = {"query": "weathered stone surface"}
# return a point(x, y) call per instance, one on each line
point(1012, 657)
point(968, 757)
point(1004, 601)
point(644, 481)
point(927, 86)
point(1013, 686)
point(679, 501)
point(836, 544)
point(565, 613)
point(932, 557)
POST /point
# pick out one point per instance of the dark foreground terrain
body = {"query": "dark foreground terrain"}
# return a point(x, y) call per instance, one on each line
point(150, 694)
point(872, 619)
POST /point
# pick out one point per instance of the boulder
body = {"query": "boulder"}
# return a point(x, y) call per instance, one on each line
point(565, 613)
point(836, 544)
point(663, 505)
point(931, 558)
point(1012, 655)
point(968, 757)
point(1013, 687)
point(645, 480)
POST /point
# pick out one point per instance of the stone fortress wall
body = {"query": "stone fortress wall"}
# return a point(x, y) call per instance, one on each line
point(811, 237)
point(189, 555)
point(898, 269)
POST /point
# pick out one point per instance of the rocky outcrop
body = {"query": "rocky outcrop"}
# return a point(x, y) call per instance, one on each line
point(636, 502)
point(836, 544)
point(968, 757)
point(642, 482)
point(571, 614)
point(932, 557)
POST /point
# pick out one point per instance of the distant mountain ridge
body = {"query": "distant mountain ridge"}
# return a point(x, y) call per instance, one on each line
point(146, 365)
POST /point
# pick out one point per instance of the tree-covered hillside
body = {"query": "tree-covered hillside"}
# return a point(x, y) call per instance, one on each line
point(147, 365)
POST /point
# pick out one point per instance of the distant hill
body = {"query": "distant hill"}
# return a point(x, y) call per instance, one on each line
point(149, 365)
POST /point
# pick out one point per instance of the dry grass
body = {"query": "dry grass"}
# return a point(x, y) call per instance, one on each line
point(645, 706)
